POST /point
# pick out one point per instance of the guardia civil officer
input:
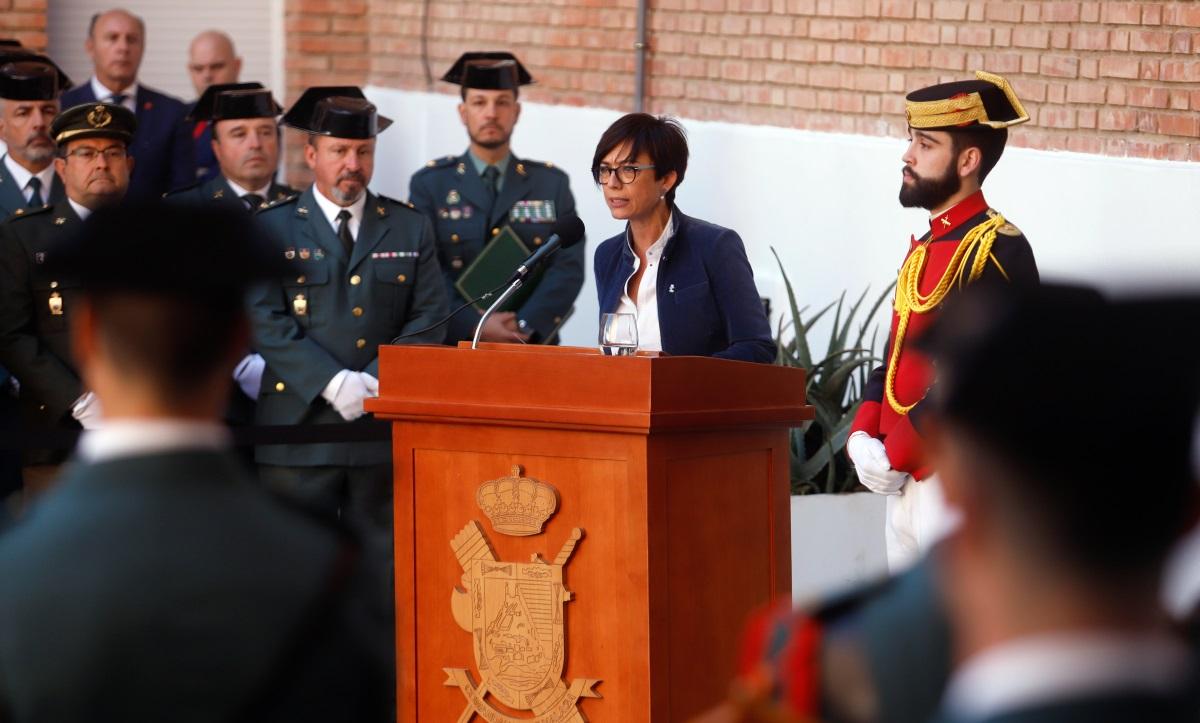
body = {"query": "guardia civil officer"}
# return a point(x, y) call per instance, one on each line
point(957, 134)
point(471, 197)
point(157, 580)
point(362, 270)
point(245, 143)
point(35, 305)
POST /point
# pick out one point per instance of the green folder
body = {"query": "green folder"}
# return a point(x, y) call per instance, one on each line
point(499, 259)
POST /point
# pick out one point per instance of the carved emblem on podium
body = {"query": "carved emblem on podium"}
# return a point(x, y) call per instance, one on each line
point(514, 612)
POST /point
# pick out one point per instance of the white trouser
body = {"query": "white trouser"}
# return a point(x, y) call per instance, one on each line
point(916, 519)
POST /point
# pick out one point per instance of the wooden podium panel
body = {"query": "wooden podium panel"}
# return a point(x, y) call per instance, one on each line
point(684, 508)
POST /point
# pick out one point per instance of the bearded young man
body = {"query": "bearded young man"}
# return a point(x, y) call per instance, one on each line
point(957, 133)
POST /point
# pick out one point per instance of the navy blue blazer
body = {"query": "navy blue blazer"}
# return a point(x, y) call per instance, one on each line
point(707, 302)
point(162, 146)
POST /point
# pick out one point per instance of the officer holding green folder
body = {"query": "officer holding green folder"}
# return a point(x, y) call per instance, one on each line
point(471, 198)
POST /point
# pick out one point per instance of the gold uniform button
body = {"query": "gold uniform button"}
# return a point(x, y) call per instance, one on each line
point(456, 263)
point(537, 240)
point(401, 278)
point(54, 284)
point(454, 238)
point(360, 343)
point(42, 408)
point(495, 232)
point(355, 280)
point(20, 211)
point(279, 387)
point(301, 279)
point(357, 311)
point(558, 320)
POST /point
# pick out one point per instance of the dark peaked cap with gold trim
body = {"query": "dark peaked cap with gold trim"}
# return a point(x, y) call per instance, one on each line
point(340, 111)
point(232, 101)
point(987, 101)
point(490, 70)
point(94, 120)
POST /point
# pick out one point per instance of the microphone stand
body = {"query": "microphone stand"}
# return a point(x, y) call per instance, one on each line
point(512, 289)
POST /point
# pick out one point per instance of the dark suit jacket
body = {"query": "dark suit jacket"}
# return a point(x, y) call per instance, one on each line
point(172, 587)
point(12, 198)
point(332, 313)
point(1111, 707)
point(207, 167)
point(162, 146)
point(708, 304)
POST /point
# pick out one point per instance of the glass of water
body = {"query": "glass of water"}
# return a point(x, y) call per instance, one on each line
point(618, 334)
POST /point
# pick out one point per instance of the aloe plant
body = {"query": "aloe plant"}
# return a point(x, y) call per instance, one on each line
point(834, 388)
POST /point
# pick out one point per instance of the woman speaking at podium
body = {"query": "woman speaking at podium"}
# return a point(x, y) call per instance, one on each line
point(687, 281)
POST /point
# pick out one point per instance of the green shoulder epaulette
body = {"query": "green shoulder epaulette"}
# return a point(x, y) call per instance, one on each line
point(22, 213)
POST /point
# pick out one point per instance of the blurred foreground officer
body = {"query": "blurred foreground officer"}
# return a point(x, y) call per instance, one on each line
point(29, 89)
point(470, 198)
point(245, 142)
point(957, 133)
point(182, 590)
point(36, 303)
point(1053, 580)
point(362, 270)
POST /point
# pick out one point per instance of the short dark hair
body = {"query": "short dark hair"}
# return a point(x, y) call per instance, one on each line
point(462, 92)
point(661, 137)
point(174, 343)
point(96, 17)
point(989, 141)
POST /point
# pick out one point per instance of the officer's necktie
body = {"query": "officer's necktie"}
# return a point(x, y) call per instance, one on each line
point(343, 231)
point(253, 201)
point(118, 99)
point(491, 175)
point(35, 198)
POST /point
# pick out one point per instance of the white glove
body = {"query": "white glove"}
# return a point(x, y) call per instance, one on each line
point(86, 410)
point(874, 469)
point(248, 374)
point(346, 392)
point(371, 383)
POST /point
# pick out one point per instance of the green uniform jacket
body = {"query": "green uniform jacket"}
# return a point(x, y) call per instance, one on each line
point(332, 313)
point(12, 198)
point(218, 190)
point(171, 587)
point(34, 309)
point(534, 196)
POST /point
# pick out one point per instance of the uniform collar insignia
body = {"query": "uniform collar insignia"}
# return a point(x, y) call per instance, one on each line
point(947, 221)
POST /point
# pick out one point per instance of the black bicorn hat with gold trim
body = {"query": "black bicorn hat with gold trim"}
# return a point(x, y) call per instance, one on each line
point(340, 111)
point(488, 70)
point(234, 101)
point(94, 120)
point(986, 102)
point(29, 76)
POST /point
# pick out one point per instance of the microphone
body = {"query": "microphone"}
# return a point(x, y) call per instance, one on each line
point(565, 234)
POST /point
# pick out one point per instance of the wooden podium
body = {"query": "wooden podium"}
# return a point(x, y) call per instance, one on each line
point(675, 469)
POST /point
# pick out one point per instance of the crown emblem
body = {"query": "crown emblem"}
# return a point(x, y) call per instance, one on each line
point(517, 505)
point(99, 117)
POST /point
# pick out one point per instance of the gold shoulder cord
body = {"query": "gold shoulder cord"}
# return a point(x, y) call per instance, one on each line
point(910, 300)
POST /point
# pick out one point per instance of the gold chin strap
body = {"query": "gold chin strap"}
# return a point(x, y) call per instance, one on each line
point(910, 300)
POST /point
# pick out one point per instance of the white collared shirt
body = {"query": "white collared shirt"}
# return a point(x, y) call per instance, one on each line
point(331, 210)
point(137, 437)
point(105, 94)
point(80, 210)
point(265, 192)
point(21, 176)
point(646, 306)
point(1042, 669)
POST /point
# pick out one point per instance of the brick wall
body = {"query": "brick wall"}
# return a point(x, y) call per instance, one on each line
point(24, 20)
point(1112, 78)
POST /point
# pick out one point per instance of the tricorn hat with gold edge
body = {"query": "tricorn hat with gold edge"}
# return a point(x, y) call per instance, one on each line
point(988, 101)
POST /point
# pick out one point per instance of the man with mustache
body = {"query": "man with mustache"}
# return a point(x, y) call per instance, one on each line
point(363, 270)
point(94, 164)
point(163, 146)
point(957, 133)
point(470, 198)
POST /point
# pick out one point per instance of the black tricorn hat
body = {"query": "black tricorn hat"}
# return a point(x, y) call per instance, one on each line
point(10, 43)
point(490, 70)
point(94, 120)
point(29, 76)
point(988, 101)
point(340, 111)
point(231, 101)
point(210, 254)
